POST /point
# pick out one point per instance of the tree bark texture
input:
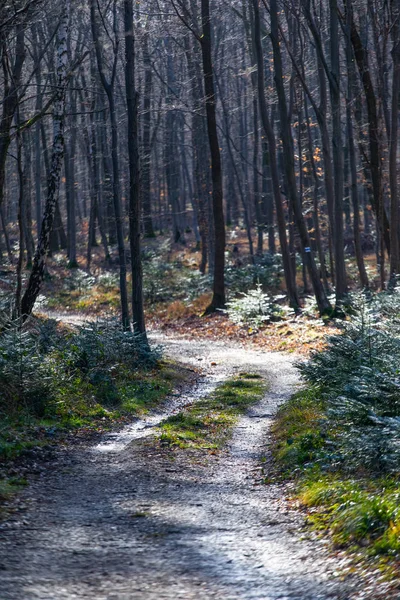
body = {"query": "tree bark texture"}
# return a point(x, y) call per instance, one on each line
point(134, 173)
point(39, 261)
point(218, 299)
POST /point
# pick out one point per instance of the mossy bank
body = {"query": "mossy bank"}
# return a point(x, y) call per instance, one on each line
point(57, 382)
point(337, 439)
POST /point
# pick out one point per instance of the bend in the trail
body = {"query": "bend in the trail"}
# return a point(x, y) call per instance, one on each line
point(123, 521)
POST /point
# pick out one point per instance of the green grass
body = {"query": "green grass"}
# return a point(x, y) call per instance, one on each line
point(82, 402)
point(298, 429)
point(360, 512)
point(92, 406)
point(208, 423)
point(10, 487)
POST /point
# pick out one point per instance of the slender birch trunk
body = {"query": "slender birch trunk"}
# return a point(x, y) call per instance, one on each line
point(39, 261)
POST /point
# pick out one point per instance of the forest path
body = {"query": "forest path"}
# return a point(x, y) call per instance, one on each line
point(122, 521)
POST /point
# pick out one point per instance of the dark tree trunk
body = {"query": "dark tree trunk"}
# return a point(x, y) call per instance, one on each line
point(373, 129)
point(267, 197)
point(316, 191)
point(201, 159)
point(321, 114)
point(352, 159)
point(10, 101)
point(6, 236)
point(21, 210)
point(107, 188)
point(256, 185)
point(337, 145)
point(394, 200)
point(39, 104)
point(238, 179)
point(70, 198)
point(27, 192)
point(70, 192)
point(134, 174)
point(218, 299)
point(109, 89)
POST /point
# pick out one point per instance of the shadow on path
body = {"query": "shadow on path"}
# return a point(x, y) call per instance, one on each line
point(126, 520)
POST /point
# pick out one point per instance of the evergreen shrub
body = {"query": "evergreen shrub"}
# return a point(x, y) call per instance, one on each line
point(358, 376)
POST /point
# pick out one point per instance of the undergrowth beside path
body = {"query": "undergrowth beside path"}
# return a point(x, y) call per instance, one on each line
point(337, 439)
point(59, 383)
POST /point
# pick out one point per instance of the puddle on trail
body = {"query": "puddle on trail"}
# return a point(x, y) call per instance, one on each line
point(117, 441)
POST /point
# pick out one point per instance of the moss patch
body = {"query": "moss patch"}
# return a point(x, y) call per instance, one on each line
point(297, 429)
point(90, 405)
point(209, 422)
point(8, 488)
point(359, 511)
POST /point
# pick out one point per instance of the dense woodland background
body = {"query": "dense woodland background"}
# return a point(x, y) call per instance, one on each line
point(225, 169)
point(121, 121)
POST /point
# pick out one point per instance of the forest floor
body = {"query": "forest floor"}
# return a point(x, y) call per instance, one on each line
point(125, 516)
point(132, 518)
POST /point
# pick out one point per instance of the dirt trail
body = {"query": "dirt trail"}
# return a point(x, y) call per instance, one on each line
point(122, 521)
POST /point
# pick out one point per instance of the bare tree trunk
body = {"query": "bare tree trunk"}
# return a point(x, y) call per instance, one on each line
point(39, 262)
point(21, 209)
point(10, 100)
point(107, 188)
point(287, 142)
point(269, 133)
point(134, 173)
point(238, 179)
point(316, 190)
point(337, 145)
point(109, 89)
point(394, 200)
point(171, 158)
point(352, 157)
point(6, 236)
point(39, 104)
point(27, 191)
point(94, 186)
point(267, 199)
point(58, 238)
point(321, 114)
point(70, 193)
point(70, 199)
point(200, 151)
point(373, 129)
point(218, 299)
point(256, 186)
point(146, 172)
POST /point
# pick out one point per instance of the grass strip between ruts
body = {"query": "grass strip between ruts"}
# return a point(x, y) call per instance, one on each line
point(208, 423)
